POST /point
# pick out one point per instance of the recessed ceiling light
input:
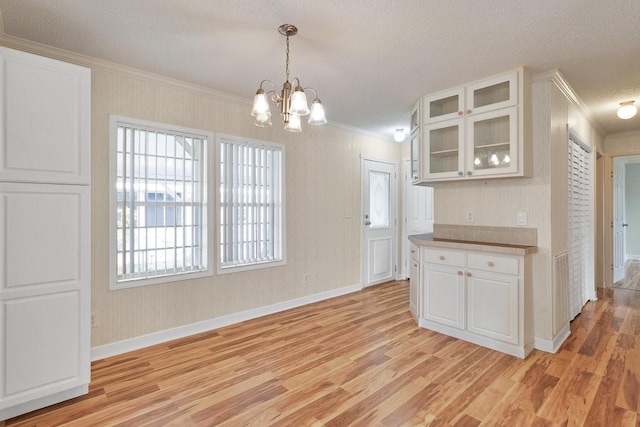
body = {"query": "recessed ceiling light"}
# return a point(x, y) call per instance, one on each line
point(627, 110)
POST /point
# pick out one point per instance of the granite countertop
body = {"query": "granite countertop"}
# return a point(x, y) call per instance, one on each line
point(429, 240)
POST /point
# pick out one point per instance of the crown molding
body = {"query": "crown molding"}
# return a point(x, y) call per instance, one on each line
point(561, 83)
point(623, 134)
point(124, 70)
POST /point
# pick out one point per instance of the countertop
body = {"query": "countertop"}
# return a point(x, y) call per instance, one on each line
point(429, 240)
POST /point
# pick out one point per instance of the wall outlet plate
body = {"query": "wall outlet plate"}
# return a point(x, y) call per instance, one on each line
point(471, 217)
point(522, 218)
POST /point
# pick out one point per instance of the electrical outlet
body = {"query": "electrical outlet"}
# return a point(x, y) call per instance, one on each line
point(470, 217)
point(305, 279)
point(522, 218)
point(94, 319)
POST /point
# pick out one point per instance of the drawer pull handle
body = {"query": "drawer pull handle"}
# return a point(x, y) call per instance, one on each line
point(468, 274)
point(490, 264)
point(441, 257)
point(412, 251)
point(469, 111)
point(459, 273)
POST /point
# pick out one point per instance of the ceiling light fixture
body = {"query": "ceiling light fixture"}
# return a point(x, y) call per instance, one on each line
point(292, 104)
point(399, 135)
point(627, 110)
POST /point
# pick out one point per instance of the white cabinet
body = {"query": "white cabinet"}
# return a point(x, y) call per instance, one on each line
point(443, 295)
point(414, 281)
point(477, 296)
point(45, 246)
point(477, 131)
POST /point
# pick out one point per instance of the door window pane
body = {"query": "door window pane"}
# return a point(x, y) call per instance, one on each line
point(379, 199)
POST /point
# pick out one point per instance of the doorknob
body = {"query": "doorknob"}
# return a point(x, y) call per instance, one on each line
point(367, 223)
point(625, 225)
point(366, 219)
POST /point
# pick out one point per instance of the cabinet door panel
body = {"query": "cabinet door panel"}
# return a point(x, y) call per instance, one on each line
point(442, 152)
point(43, 341)
point(493, 306)
point(492, 142)
point(443, 295)
point(492, 94)
point(444, 106)
point(414, 280)
point(46, 127)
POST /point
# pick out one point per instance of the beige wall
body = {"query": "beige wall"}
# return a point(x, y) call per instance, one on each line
point(496, 202)
point(322, 185)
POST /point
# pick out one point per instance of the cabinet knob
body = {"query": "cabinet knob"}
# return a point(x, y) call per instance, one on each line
point(460, 173)
point(441, 257)
point(469, 172)
point(490, 264)
point(469, 111)
point(468, 274)
point(459, 273)
point(460, 113)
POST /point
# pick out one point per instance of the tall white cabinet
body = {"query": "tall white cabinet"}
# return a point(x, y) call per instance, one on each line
point(45, 246)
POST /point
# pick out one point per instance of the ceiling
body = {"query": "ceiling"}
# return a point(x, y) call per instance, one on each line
point(369, 60)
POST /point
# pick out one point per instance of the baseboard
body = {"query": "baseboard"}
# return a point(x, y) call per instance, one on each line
point(124, 346)
point(635, 257)
point(552, 346)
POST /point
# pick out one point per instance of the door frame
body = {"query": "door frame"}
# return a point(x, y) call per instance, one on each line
point(608, 213)
point(395, 209)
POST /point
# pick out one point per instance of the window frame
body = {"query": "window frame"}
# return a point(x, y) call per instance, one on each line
point(226, 269)
point(207, 240)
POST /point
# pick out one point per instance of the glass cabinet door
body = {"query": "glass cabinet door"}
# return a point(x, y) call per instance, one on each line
point(415, 155)
point(492, 94)
point(444, 106)
point(415, 118)
point(442, 154)
point(492, 142)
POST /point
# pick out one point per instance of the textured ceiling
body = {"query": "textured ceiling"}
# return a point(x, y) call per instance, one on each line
point(370, 60)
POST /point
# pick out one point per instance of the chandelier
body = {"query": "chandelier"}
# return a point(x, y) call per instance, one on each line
point(293, 104)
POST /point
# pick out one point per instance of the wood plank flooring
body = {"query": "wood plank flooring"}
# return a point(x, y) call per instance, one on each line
point(631, 275)
point(360, 360)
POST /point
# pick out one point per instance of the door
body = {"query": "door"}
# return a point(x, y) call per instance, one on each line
point(443, 295)
point(619, 225)
point(492, 305)
point(379, 224)
point(442, 153)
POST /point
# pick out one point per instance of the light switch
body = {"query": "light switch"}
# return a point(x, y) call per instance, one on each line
point(522, 218)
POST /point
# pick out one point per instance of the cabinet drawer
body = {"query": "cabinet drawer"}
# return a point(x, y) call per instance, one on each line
point(414, 252)
point(493, 263)
point(443, 257)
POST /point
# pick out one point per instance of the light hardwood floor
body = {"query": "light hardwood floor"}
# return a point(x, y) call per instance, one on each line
point(360, 360)
point(631, 275)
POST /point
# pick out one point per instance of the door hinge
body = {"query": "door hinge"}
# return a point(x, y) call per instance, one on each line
point(395, 268)
point(611, 267)
point(611, 174)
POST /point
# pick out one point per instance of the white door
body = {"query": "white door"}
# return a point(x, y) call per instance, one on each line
point(378, 221)
point(418, 212)
point(619, 226)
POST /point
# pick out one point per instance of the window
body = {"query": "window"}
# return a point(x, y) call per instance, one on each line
point(158, 203)
point(250, 204)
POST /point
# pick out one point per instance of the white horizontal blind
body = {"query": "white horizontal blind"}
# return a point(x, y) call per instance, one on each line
point(160, 202)
point(250, 202)
point(580, 240)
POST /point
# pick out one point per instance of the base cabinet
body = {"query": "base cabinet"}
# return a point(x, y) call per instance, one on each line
point(414, 281)
point(443, 295)
point(481, 297)
point(492, 306)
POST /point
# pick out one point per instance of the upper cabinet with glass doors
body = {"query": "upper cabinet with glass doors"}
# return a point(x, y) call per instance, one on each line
point(481, 130)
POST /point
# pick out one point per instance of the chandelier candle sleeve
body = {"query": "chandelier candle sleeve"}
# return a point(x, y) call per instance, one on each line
point(292, 103)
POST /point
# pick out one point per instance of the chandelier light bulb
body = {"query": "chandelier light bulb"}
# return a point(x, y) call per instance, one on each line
point(627, 110)
point(399, 135)
point(316, 116)
point(494, 159)
point(260, 104)
point(294, 123)
point(263, 119)
point(299, 102)
point(506, 159)
point(477, 161)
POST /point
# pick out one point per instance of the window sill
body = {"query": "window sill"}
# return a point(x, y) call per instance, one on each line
point(248, 267)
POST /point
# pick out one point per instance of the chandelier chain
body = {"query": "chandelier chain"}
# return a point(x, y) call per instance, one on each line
point(287, 63)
